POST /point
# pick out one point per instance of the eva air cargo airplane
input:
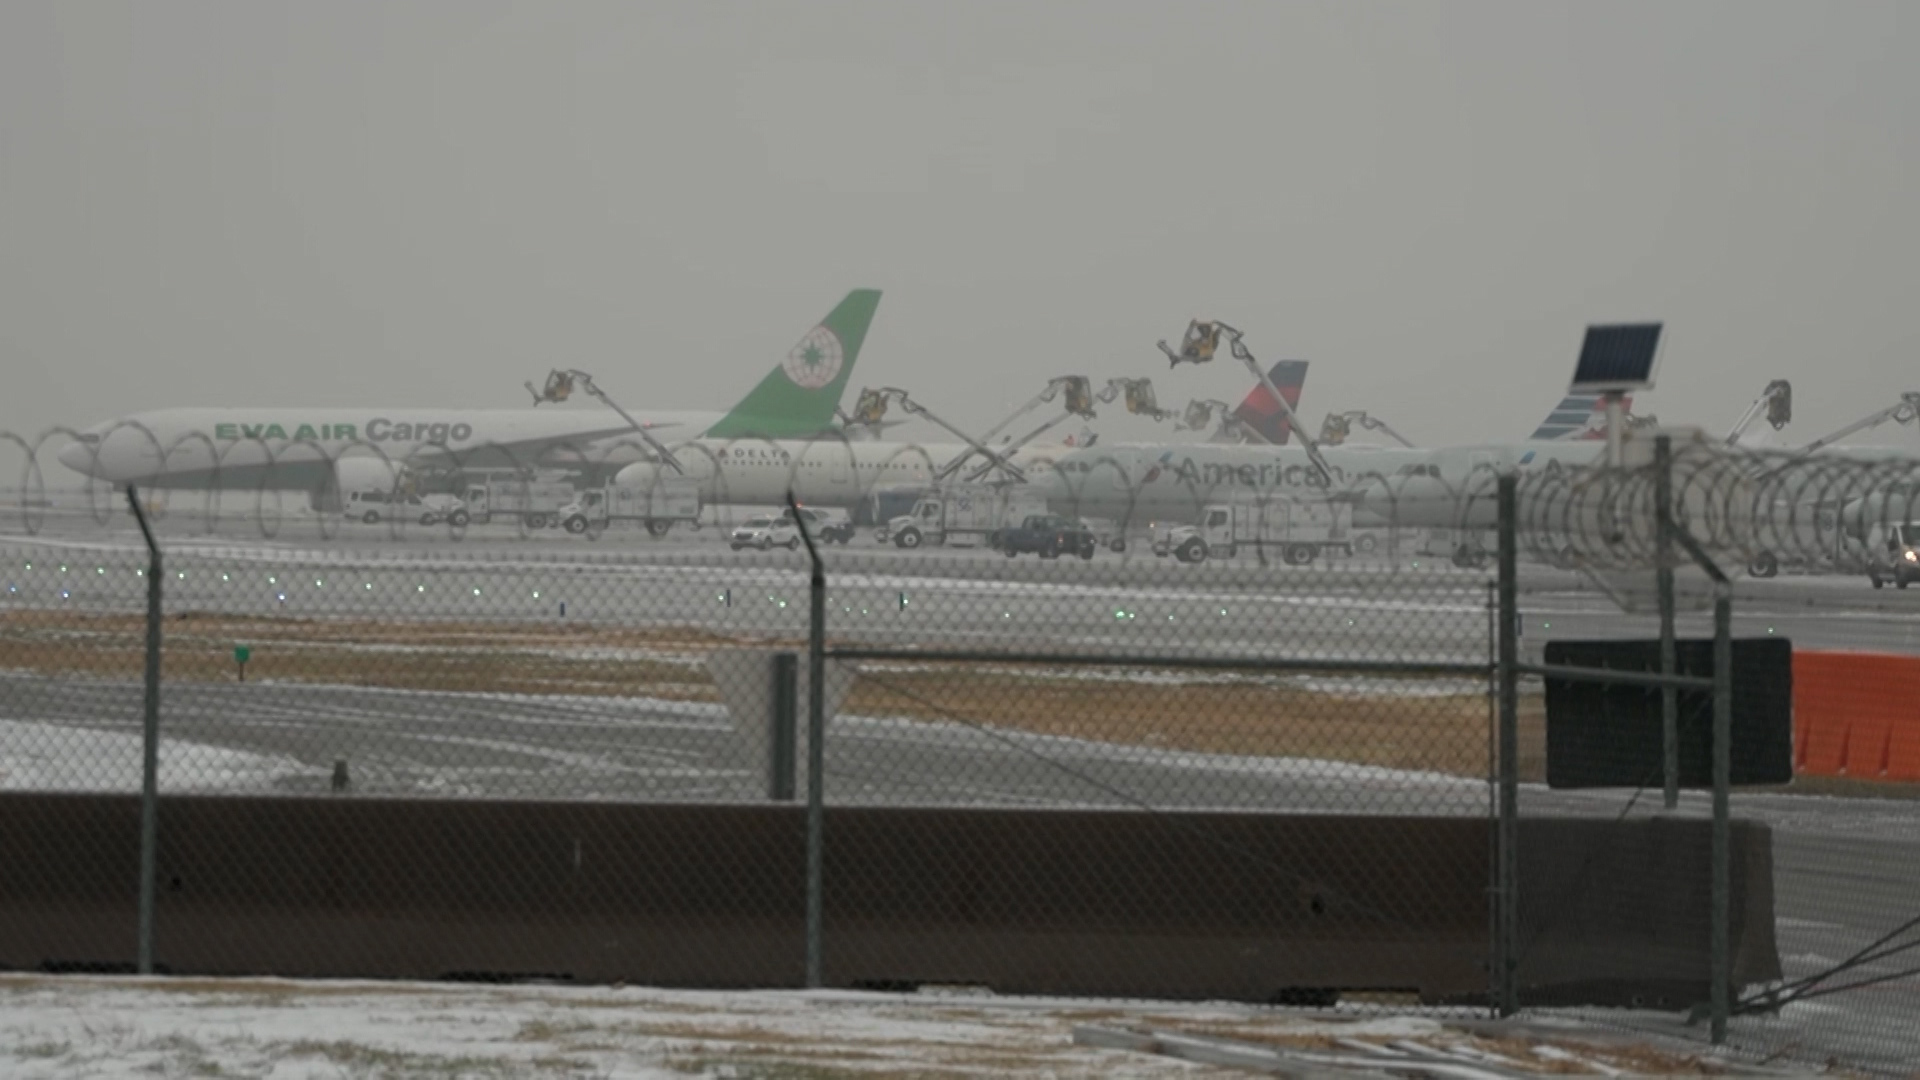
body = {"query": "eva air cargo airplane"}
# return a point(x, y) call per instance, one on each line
point(314, 449)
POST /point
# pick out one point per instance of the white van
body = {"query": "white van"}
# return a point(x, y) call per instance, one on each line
point(374, 507)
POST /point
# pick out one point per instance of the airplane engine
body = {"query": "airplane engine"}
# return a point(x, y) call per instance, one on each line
point(653, 474)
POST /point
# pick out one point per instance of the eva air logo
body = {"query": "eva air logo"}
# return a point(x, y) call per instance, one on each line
point(815, 361)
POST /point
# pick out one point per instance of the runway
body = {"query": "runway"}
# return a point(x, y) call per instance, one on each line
point(1846, 870)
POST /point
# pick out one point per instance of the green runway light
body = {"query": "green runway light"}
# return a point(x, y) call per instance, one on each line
point(99, 569)
point(29, 566)
point(369, 586)
point(224, 577)
point(536, 594)
point(318, 584)
point(63, 568)
point(476, 590)
point(271, 580)
point(419, 588)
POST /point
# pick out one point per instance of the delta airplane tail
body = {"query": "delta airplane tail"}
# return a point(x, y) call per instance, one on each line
point(1262, 413)
point(1577, 417)
point(800, 397)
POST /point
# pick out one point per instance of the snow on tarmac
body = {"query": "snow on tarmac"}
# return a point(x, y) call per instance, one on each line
point(62, 1026)
point(57, 757)
point(124, 1027)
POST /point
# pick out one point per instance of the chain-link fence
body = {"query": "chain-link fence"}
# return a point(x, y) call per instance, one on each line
point(1051, 761)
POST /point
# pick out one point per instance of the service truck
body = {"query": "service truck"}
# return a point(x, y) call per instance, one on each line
point(1046, 535)
point(1300, 529)
point(655, 505)
point(961, 514)
point(535, 502)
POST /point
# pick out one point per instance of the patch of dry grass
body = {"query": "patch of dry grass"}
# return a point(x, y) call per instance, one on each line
point(1379, 726)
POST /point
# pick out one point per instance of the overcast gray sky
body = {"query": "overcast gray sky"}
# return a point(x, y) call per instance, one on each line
point(355, 203)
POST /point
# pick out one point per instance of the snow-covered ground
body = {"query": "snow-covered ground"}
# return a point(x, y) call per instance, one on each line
point(125, 1027)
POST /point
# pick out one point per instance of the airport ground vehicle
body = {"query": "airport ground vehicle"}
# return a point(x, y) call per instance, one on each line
point(1046, 535)
point(764, 531)
point(822, 526)
point(1897, 557)
point(373, 507)
point(963, 513)
point(883, 504)
point(656, 505)
point(536, 502)
point(1302, 530)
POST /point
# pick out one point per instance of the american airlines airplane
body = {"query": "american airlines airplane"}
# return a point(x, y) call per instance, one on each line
point(311, 449)
point(830, 472)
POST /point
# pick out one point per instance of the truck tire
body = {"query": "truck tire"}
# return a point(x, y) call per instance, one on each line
point(1365, 544)
point(371, 517)
point(793, 544)
point(657, 528)
point(536, 521)
point(459, 519)
point(427, 519)
point(1007, 550)
point(1086, 551)
point(1297, 554)
point(576, 524)
point(1765, 565)
point(1119, 546)
point(909, 538)
point(1192, 551)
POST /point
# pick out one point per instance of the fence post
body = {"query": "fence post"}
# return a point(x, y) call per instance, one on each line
point(149, 742)
point(1722, 960)
point(816, 746)
point(1507, 861)
point(1663, 576)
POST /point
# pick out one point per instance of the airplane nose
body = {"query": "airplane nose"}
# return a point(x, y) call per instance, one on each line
point(82, 458)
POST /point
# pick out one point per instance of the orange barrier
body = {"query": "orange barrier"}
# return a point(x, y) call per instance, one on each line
point(1856, 715)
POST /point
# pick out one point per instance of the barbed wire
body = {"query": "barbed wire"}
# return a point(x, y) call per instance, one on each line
point(1828, 511)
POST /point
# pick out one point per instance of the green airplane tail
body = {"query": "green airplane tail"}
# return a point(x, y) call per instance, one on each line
point(799, 397)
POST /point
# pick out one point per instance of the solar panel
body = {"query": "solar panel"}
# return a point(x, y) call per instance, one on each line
point(1617, 358)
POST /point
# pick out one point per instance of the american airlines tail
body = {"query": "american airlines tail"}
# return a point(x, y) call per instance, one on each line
point(1577, 417)
point(1262, 413)
point(800, 396)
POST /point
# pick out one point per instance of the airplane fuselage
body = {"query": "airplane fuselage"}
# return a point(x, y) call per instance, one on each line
point(296, 449)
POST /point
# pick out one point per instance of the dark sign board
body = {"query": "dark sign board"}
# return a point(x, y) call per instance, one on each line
point(1609, 735)
point(1616, 359)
